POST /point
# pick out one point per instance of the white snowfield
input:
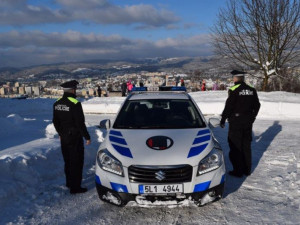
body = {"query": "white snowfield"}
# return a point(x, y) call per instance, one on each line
point(273, 104)
point(32, 180)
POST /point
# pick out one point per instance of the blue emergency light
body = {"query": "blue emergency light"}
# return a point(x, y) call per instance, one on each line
point(172, 88)
point(178, 88)
point(139, 89)
point(162, 88)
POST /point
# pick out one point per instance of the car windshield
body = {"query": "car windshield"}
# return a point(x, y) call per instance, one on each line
point(158, 114)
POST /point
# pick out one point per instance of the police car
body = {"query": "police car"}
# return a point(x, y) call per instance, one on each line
point(159, 148)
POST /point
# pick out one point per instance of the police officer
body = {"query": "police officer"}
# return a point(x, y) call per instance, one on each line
point(241, 109)
point(69, 122)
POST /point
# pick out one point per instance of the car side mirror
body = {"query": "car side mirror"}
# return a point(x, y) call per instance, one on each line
point(213, 122)
point(105, 124)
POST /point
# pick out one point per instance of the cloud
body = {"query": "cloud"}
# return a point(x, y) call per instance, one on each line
point(20, 13)
point(70, 39)
point(84, 4)
point(36, 47)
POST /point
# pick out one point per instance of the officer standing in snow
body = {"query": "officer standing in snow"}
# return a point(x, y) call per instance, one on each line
point(69, 122)
point(241, 109)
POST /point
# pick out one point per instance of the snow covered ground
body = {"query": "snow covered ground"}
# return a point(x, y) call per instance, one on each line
point(32, 179)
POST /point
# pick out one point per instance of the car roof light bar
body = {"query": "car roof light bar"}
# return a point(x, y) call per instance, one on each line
point(162, 88)
point(139, 89)
point(172, 88)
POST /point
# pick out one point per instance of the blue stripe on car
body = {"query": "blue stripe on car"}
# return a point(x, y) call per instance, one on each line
point(196, 150)
point(202, 186)
point(223, 179)
point(201, 139)
point(119, 187)
point(117, 133)
point(97, 178)
point(201, 132)
point(123, 150)
point(117, 140)
point(141, 189)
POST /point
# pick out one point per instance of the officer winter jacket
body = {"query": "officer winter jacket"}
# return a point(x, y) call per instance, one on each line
point(242, 102)
point(68, 116)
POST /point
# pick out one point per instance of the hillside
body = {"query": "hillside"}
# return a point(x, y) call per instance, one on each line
point(98, 68)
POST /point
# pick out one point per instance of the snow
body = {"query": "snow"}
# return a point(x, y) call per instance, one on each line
point(33, 185)
point(270, 72)
point(81, 70)
point(273, 104)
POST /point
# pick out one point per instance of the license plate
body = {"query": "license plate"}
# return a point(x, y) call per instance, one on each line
point(161, 189)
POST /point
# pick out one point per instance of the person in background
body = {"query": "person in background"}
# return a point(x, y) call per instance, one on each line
point(203, 87)
point(99, 91)
point(123, 88)
point(182, 82)
point(215, 86)
point(241, 109)
point(69, 122)
point(129, 86)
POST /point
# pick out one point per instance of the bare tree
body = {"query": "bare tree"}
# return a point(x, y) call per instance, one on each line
point(260, 34)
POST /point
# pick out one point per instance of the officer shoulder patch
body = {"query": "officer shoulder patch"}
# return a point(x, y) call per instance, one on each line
point(74, 100)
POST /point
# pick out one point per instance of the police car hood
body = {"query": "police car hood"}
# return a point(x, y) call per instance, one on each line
point(160, 147)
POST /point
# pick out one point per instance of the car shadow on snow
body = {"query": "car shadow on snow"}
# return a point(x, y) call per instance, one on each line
point(260, 144)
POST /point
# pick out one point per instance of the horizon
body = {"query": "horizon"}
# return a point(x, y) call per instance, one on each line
point(47, 32)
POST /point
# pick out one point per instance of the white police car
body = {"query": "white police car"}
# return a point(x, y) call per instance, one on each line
point(159, 147)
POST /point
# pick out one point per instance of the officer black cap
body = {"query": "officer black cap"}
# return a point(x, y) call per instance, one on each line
point(70, 84)
point(238, 73)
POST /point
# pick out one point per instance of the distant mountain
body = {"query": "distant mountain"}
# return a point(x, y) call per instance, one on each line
point(102, 68)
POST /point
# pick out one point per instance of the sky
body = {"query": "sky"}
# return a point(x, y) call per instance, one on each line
point(34, 32)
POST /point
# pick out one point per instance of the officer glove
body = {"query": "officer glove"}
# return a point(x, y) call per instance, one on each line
point(222, 123)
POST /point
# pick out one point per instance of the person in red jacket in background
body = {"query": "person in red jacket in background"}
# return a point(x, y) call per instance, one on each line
point(203, 87)
point(129, 86)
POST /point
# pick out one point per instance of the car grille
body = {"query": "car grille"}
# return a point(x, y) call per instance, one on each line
point(160, 174)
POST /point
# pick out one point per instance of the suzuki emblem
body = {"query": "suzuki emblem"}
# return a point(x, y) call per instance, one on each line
point(160, 175)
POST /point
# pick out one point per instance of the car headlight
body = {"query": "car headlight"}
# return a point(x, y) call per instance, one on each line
point(211, 162)
point(109, 163)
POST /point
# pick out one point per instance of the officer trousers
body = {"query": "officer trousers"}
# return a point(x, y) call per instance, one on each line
point(239, 140)
point(73, 153)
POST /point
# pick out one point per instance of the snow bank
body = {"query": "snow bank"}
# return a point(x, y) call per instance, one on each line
point(50, 131)
point(30, 156)
point(34, 169)
point(102, 105)
point(273, 104)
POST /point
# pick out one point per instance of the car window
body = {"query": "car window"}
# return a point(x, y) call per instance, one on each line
point(158, 114)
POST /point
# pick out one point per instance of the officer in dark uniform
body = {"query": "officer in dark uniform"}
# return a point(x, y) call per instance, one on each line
point(241, 109)
point(69, 122)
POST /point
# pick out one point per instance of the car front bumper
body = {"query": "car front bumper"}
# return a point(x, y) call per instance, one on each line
point(202, 189)
point(199, 198)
